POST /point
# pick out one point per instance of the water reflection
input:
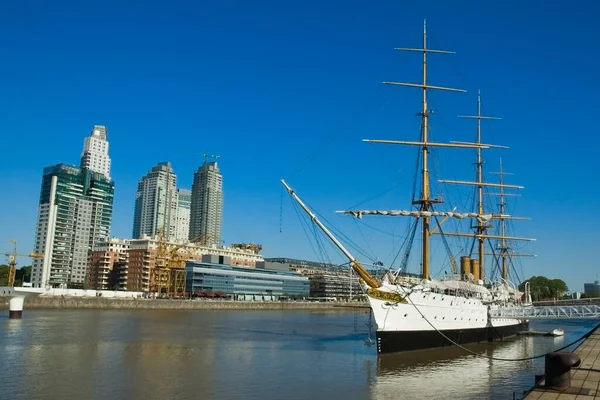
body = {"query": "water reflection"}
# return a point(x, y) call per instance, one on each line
point(453, 373)
point(149, 355)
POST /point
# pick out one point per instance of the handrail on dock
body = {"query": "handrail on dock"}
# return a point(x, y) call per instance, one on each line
point(591, 311)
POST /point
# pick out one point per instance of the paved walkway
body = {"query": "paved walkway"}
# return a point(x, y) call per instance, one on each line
point(584, 379)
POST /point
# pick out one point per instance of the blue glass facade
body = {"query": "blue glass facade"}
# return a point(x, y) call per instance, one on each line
point(209, 277)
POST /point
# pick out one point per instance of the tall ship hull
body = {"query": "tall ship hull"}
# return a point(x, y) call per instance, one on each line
point(429, 320)
point(419, 312)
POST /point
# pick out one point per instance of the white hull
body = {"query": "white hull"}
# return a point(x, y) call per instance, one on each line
point(427, 319)
point(444, 312)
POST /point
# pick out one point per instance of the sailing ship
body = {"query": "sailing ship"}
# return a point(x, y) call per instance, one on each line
point(418, 312)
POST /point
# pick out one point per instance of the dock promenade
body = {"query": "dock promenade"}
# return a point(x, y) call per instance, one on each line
point(67, 302)
point(584, 378)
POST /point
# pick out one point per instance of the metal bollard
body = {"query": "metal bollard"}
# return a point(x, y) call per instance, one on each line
point(558, 369)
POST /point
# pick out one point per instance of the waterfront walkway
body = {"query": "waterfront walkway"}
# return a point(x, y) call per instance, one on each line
point(585, 379)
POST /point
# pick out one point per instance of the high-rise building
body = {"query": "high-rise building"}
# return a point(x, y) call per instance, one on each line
point(206, 211)
point(95, 152)
point(108, 265)
point(184, 201)
point(156, 203)
point(75, 213)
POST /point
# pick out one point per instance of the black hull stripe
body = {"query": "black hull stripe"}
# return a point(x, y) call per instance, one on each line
point(398, 341)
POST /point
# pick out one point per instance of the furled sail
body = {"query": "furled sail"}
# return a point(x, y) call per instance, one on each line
point(420, 214)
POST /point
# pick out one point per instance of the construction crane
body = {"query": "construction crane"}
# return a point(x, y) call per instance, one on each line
point(177, 261)
point(203, 239)
point(168, 274)
point(159, 275)
point(248, 246)
point(12, 267)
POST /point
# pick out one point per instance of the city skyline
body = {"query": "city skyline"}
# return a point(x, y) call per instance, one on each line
point(295, 103)
point(75, 215)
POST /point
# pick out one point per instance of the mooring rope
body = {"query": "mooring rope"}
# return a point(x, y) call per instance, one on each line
point(585, 336)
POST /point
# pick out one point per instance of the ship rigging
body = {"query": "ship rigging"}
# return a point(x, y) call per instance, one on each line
point(460, 304)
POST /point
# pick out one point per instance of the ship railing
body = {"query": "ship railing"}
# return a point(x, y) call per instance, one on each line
point(452, 277)
point(548, 312)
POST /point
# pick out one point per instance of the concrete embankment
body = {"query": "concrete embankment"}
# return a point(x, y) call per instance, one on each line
point(42, 302)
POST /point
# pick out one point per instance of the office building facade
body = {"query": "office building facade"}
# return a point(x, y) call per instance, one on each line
point(156, 203)
point(184, 201)
point(206, 210)
point(74, 215)
point(108, 262)
point(94, 156)
point(214, 274)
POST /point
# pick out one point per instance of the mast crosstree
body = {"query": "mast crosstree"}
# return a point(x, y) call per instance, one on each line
point(481, 228)
point(426, 201)
point(504, 248)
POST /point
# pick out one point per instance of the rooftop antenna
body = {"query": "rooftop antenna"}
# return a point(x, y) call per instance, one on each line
point(210, 156)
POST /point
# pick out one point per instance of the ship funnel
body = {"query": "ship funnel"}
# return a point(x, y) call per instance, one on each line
point(475, 269)
point(465, 267)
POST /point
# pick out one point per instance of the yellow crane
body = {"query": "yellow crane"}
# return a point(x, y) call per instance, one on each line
point(168, 274)
point(159, 275)
point(12, 267)
point(248, 246)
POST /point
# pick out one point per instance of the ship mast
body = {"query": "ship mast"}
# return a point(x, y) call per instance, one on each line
point(425, 201)
point(480, 233)
point(481, 227)
point(504, 248)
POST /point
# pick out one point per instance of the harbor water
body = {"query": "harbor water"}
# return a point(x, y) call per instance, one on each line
point(166, 354)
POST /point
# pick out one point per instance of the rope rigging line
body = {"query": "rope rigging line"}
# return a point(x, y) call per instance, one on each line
point(337, 133)
point(408, 241)
point(302, 223)
point(342, 236)
point(585, 336)
point(416, 176)
point(376, 195)
point(446, 245)
point(325, 256)
point(281, 209)
point(316, 235)
point(320, 251)
point(364, 238)
point(362, 222)
point(496, 261)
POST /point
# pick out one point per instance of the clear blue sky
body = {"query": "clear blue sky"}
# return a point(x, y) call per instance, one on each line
point(273, 87)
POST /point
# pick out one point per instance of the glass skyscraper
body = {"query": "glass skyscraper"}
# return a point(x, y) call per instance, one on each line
point(75, 213)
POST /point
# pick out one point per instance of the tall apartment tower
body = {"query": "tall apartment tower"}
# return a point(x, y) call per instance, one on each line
point(206, 211)
point(156, 203)
point(74, 215)
point(94, 156)
point(184, 201)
